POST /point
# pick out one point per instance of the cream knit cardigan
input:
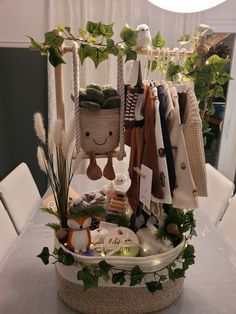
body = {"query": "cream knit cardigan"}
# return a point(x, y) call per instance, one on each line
point(192, 129)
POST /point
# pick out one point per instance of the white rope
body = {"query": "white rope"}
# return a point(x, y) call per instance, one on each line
point(76, 95)
point(121, 90)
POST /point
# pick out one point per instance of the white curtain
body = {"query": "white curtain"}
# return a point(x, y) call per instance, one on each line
point(75, 13)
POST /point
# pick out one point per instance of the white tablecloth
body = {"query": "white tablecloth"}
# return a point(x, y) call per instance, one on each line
point(28, 287)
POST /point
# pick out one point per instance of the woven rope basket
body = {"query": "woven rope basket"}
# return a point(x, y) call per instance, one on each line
point(116, 299)
point(101, 130)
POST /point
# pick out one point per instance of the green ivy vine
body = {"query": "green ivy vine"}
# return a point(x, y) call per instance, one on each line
point(95, 41)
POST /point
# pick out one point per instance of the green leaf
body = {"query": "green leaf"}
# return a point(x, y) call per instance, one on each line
point(153, 286)
point(217, 63)
point(98, 54)
point(129, 36)
point(223, 78)
point(218, 92)
point(104, 267)
point(53, 39)
point(179, 272)
point(184, 39)
point(211, 110)
point(111, 48)
point(119, 277)
point(49, 211)
point(106, 30)
point(158, 41)
point(82, 32)
point(55, 57)
point(172, 70)
point(130, 54)
point(34, 43)
point(171, 274)
point(89, 279)
point(93, 28)
point(188, 251)
point(136, 276)
point(84, 52)
point(65, 258)
point(44, 255)
point(53, 226)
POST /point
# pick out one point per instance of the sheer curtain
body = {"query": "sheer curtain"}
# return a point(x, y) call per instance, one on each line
point(75, 13)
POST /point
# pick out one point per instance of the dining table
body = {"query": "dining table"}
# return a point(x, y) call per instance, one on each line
point(27, 286)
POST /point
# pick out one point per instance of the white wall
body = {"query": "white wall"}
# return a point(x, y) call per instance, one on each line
point(21, 18)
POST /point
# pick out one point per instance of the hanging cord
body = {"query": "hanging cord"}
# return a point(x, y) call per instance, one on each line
point(76, 94)
point(121, 91)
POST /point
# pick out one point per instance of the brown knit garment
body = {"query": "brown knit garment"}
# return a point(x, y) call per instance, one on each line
point(150, 158)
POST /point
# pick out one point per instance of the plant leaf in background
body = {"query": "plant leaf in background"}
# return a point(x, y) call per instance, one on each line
point(158, 41)
point(129, 36)
point(184, 39)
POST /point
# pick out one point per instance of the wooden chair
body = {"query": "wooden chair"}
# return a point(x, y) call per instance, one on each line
point(8, 233)
point(220, 190)
point(20, 195)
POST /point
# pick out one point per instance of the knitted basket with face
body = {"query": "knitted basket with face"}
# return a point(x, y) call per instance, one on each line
point(99, 130)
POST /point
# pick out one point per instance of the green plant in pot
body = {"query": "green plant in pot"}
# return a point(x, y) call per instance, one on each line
point(207, 69)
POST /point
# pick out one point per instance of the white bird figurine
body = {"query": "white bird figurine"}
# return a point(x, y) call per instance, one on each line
point(143, 37)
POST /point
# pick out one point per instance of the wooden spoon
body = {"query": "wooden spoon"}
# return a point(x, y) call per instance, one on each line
point(93, 171)
point(108, 171)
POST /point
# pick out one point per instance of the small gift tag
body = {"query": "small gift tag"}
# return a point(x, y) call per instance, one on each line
point(145, 186)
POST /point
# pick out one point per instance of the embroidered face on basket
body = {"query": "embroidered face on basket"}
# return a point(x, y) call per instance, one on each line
point(99, 130)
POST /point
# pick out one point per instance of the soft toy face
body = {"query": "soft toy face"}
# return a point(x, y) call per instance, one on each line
point(79, 223)
point(100, 134)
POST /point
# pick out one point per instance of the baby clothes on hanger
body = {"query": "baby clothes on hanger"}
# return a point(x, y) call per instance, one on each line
point(150, 158)
point(164, 176)
point(164, 114)
point(192, 130)
point(185, 192)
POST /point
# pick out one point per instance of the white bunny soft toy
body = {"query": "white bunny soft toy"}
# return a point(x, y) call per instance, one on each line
point(143, 37)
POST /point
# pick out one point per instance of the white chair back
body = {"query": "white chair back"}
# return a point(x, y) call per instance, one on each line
point(227, 225)
point(220, 190)
point(20, 195)
point(8, 233)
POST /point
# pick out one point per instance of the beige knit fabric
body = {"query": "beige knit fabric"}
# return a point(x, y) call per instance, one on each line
point(117, 299)
point(192, 129)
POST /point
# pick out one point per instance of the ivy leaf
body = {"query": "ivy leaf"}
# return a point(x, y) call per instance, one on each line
point(171, 274)
point(104, 267)
point(82, 32)
point(188, 251)
point(44, 255)
point(119, 277)
point(34, 43)
point(153, 286)
point(158, 41)
point(89, 279)
point(172, 70)
point(130, 54)
point(179, 272)
point(55, 56)
point(93, 28)
point(84, 52)
point(129, 36)
point(65, 258)
point(136, 275)
point(106, 30)
point(211, 110)
point(53, 39)
point(98, 54)
point(111, 48)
